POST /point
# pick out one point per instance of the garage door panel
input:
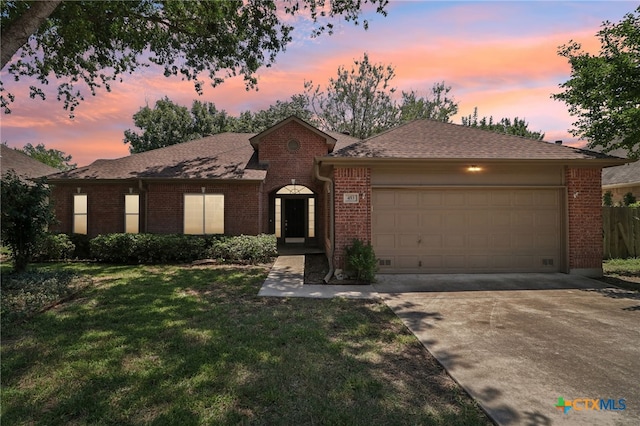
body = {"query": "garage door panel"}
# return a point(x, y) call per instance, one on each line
point(523, 219)
point(454, 221)
point(407, 221)
point(408, 199)
point(431, 221)
point(453, 241)
point(384, 241)
point(384, 221)
point(384, 200)
point(433, 241)
point(431, 199)
point(479, 199)
point(468, 230)
point(478, 241)
point(407, 241)
point(454, 199)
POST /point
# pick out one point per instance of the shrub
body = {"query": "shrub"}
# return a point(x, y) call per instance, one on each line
point(81, 243)
point(25, 214)
point(361, 259)
point(53, 247)
point(147, 248)
point(629, 199)
point(607, 199)
point(244, 249)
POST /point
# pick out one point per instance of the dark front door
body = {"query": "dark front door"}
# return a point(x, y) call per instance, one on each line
point(294, 216)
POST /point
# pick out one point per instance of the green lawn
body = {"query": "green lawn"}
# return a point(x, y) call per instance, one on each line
point(195, 345)
point(623, 273)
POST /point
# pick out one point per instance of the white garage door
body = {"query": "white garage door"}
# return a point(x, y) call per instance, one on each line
point(467, 230)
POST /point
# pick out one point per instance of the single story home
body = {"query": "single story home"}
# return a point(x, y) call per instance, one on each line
point(431, 197)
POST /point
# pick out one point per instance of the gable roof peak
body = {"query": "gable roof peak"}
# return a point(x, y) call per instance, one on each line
point(330, 140)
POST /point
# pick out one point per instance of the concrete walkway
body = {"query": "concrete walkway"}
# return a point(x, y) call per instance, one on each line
point(286, 279)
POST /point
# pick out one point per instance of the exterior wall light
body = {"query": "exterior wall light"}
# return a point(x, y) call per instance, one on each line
point(474, 169)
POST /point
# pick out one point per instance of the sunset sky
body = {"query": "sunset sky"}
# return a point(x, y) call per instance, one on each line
point(499, 56)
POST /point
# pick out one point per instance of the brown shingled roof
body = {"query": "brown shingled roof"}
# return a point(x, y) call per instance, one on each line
point(429, 139)
point(221, 156)
point(23, 165)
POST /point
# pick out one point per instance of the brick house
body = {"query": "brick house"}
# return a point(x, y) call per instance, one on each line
point(431, 197)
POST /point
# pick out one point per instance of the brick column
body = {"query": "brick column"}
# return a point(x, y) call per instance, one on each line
point(584, 195)
point(352, 220)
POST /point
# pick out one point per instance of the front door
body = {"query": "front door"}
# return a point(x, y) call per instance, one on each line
point(294, 218)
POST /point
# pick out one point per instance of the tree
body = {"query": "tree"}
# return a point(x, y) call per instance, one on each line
point(603, 91)
point(26, 214)
point(358, 101)
point(50, 157)
point(168, 123)
point(436, 106)
point(519, 127)
point(263, 119)
point(97, 42)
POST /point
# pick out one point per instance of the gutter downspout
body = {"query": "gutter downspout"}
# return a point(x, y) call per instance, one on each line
point(327, 180)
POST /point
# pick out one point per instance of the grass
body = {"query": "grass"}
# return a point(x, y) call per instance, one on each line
point(195, 345)
point(623, 273)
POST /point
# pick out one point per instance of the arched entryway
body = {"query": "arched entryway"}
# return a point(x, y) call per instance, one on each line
point(294, 215)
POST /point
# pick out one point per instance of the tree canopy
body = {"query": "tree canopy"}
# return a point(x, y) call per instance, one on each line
point(436, 105)
point(517, 127)
point(51, 157)
point(91, 44)
point(603, 91)
point(360, 101)
point(168, 123)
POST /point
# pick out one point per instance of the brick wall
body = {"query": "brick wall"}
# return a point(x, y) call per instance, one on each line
point(584, 194)
point(165, 204)
point(286, 164)
point(105, 206)
point(352, 220)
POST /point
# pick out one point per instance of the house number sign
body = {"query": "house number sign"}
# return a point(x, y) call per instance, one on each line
point(351, 198)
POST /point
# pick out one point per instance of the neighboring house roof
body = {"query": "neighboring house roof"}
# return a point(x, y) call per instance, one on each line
point(624, 175)
point(23, 165)
point(627, 174)
point(221, 156)
point(430, 139)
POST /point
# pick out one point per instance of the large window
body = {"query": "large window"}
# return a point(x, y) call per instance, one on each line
point(203, 214)
point(132, 213)
point(80, 214)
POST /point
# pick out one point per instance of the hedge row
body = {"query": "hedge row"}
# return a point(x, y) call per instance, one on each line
point(156, 248)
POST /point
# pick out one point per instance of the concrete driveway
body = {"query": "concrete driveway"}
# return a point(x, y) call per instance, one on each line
point(518, 342)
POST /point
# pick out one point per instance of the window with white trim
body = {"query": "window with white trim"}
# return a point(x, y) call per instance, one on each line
point(80, 214)
point(203, 214)
point(132, 213)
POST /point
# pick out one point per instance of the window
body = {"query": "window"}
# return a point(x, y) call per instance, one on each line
point(132, 213)
point(203, 214)
point(311, 209)
point(80, 214)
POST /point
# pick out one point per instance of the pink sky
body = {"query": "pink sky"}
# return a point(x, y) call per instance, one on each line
point(498, 56)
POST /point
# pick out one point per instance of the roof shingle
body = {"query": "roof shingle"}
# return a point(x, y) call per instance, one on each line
point(430, 139)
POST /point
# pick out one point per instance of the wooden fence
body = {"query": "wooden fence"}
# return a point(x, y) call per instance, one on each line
point(621, 227)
